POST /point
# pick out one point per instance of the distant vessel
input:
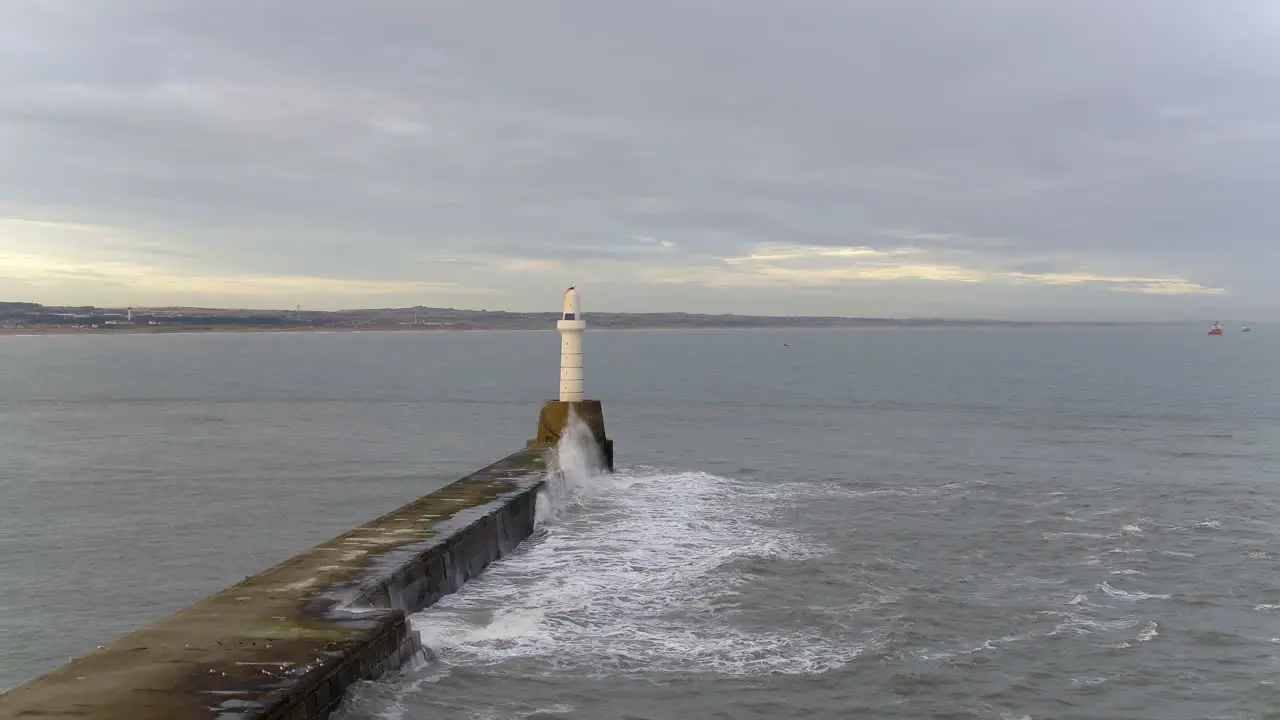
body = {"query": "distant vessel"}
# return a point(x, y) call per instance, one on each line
point(1244, 328)
point(1216, 329)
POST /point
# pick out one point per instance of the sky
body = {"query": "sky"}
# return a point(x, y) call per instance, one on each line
point(1056, 159)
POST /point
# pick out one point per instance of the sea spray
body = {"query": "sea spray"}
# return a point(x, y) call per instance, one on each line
point(636, 573)
point(574, 467)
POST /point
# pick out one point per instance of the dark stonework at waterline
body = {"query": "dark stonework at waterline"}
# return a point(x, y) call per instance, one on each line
point(287, 643)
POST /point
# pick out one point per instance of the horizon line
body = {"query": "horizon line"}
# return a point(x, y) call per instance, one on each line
point(553, 313)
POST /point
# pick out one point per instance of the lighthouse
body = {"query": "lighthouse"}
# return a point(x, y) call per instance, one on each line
point(556, 415)
point(571, 326)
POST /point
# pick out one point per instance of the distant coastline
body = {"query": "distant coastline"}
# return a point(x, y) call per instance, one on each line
point(34, 319)
point(231, 329)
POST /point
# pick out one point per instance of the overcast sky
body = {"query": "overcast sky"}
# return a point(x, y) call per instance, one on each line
point(1015, 158)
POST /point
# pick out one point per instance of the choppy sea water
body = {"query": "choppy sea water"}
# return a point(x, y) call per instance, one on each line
point(934, 523)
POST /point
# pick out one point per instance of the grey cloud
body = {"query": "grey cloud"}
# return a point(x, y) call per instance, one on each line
point(361, 138)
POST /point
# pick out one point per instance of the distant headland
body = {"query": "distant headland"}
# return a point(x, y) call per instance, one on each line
point(33, 318)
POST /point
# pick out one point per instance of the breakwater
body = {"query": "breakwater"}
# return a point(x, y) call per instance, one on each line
point(286, 644)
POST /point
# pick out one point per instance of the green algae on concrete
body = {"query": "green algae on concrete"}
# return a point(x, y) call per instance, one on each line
point(287, 643)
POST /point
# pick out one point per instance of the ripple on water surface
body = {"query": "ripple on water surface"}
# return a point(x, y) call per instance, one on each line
point(645, 574)
point(648, 578)
point(656, 593)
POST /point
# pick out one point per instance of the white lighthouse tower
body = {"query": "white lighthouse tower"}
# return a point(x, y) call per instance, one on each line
point(571, 326)
point(558, 415)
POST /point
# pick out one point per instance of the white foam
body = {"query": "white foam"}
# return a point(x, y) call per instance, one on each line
point(1077, 623)
point(986, 645)
point(510, 714)
point(1066, 534)
point(576, 472)
point(1148, 631)
point(1129, 595)
point(837, 490)
point(383, 701)
point(557, 709)
point(637, 572)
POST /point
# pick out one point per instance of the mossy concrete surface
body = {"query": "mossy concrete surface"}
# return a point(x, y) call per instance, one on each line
point(554, 418)
point(287, 643)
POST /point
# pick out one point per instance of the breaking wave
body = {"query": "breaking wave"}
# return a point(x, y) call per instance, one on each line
point(635, 572)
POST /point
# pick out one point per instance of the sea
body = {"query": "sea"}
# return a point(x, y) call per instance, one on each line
point(1005, 523)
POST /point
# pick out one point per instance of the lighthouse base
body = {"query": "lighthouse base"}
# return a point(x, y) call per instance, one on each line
point(554, 418)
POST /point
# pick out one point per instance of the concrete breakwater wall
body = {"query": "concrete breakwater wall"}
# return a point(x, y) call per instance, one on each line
point(288, 642)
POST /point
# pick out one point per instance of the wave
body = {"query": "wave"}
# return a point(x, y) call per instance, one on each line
point(637, 572)
point(1129, 595)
